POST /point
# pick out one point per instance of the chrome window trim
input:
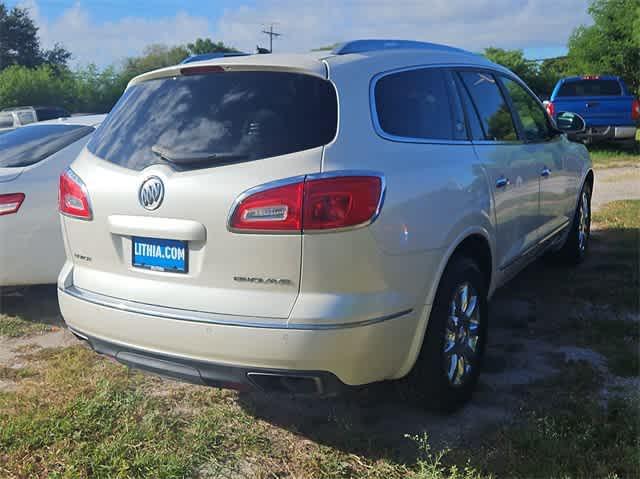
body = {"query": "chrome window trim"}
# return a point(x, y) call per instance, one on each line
point(303, 178)
point(163, 312)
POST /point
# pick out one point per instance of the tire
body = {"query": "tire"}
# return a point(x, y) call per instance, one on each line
point(575, 249)
point(433, 380)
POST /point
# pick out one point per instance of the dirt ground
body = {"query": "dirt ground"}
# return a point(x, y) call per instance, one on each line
point(525, 347)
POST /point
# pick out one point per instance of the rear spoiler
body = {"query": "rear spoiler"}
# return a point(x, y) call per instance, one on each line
point(316, 68)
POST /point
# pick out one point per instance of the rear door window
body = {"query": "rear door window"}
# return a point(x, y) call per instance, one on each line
point(32, 144)
point(590, 88)
point(204, 120)
point(415, 104)
point(495, 115)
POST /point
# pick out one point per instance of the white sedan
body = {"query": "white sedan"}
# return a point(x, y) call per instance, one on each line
point(31, 161)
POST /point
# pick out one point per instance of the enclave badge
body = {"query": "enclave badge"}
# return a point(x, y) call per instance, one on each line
point(151, 193)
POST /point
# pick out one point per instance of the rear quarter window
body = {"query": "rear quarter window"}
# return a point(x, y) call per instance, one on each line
point(590, 88)
point(414, 104)
point(32, 144)
point(204, 120)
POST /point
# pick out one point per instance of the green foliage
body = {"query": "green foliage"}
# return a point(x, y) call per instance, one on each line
point(540, 78)
point(612, 44)
point(20, 45)
point(206, 45)
point(154, 56)
point(24, 86)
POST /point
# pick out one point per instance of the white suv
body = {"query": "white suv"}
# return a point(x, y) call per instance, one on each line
point(303, 223)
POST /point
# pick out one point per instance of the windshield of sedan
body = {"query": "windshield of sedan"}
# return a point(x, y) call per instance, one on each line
point(32, 144)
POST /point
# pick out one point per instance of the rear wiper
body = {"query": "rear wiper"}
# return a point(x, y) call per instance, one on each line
point(187, 158)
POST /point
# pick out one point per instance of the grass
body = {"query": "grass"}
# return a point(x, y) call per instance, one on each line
point(616, 339)
point(15, 327)
point(97, 420)
point(605, 156)
point(568, 434)
point(610, 276)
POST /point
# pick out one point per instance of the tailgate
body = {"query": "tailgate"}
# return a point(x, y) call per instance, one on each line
point(598, 111)
point(206, 138)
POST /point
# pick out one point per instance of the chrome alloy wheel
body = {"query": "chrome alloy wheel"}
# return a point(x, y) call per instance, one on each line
point(462, 333)
point(584, 221)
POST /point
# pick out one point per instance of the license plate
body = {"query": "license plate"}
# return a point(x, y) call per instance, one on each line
point(160, 254)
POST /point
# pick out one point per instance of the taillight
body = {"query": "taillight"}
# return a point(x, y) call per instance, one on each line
point(314, 203)
point(10, 204)
point(272, 209)
point(551, 109)
point(635, 109)
point(73, 199)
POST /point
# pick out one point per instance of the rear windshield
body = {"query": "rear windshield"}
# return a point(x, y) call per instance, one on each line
point(198, 121)
point(590, 88)
point(29, 145)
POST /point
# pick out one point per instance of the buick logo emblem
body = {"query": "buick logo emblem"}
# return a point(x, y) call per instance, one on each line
point(151, 193)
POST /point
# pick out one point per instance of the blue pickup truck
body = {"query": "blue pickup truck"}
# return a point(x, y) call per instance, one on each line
point(610, 111)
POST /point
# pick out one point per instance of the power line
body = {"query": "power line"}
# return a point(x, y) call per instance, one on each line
point(271, 34)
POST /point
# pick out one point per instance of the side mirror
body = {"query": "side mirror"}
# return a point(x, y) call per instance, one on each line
point(571, 123)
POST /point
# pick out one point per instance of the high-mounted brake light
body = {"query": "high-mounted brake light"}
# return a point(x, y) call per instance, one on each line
point(314, 203)
point(73, 199)
point(591, 77)
point(551, 108)
point(201, 70)
point(635, 109)
point(10, 204)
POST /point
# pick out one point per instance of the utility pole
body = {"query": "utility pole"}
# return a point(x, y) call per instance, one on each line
point(271, 34)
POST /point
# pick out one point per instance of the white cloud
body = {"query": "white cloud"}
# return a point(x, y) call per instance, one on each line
point(307, 24)
point(472, 25)
point(93, 41)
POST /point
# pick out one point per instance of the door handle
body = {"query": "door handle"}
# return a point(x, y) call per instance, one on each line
point(502, 182)
point(545, 172)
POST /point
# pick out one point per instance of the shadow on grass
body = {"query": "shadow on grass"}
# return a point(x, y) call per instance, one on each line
point(374, 420)
point(34, 304)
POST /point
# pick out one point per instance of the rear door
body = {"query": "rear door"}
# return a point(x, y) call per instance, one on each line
point(558, 182)
point(207, 137)
point(512, 171)
point(601, 102)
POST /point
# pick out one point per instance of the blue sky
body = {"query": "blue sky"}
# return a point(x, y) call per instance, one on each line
point(106, 31)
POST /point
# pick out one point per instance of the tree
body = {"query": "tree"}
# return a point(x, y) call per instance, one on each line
point(154, 56)
point(541, 77)
point(206, 45)
point(612, 44)
point(20, 45)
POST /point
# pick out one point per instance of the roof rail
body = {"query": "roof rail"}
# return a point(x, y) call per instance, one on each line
point(369, 45)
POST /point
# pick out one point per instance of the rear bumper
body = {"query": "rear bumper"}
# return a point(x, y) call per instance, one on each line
point(242, 356)
point(219, 375)
point(608, 133)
